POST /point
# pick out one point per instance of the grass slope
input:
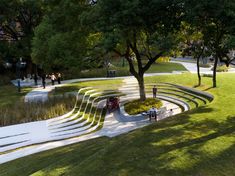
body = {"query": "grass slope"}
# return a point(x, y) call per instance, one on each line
point(101, 85)
point(9, 95)
point(198, 142)
point(124, 71)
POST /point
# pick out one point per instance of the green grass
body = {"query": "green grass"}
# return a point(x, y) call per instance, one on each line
point(101, 85)
point(124, 71)
point(136, 106)
point(166, 67)
point(9, 95)
point(198, 142)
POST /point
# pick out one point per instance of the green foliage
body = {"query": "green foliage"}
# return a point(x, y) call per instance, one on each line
point(222, 68)
point(17, 21)
point(163, 59)
point(215, 19)
point(13, 110)
point(159, 67)
point(207, 75)
point(4, 80)
point(138, 106)
point(60, 41)
point(21, 112)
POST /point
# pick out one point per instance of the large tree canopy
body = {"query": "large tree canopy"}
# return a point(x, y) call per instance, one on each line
point(60, 41)
point(17, 22)
point(138, 30)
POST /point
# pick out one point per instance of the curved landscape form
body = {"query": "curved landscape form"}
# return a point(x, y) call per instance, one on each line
point(89, 119)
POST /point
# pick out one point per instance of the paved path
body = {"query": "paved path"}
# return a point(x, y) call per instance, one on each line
point(192, 68)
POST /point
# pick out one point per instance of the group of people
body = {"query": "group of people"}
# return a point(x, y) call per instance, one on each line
point(53, 77)
point(153, 113)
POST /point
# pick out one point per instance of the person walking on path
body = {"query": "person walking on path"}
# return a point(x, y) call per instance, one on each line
point(154, 91)
point(59, 78)
point(53, 78)
point(44, 80)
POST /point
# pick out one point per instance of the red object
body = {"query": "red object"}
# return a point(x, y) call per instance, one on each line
point(112, 103)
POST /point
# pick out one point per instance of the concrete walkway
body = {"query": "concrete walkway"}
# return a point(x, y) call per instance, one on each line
point(192, 68)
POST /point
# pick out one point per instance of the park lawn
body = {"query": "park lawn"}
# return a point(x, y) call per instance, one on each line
point(9, 95)
point(124, 71)
point(197, 142)
point(101, 85)
point(164, 67)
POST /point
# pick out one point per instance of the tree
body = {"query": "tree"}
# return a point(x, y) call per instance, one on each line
point(139, 30)
point(17, 22)
point(60, 40)
point(191, 42)
point(216, 20)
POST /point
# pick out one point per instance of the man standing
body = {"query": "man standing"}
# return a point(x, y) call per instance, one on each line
point(154, 91)
point(44, 80)
point(59, 78)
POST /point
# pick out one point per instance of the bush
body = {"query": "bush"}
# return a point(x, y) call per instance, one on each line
point(222, 68)
point(4, 80)
point(207, 75)
point(137, 106)
point(163, 59)
point(22, 112)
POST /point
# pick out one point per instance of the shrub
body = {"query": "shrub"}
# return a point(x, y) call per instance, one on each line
point(22, 112)
point(163, 59)
point(137, 106)
point(207, 75)
point(4, 80)
point(222, 68)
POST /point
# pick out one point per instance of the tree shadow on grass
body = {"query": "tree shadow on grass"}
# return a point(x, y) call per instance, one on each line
point(209, 88)
point(171, 147)
point(192, 149)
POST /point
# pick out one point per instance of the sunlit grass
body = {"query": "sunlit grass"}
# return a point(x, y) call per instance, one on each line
point(100, 85)
point(9, 95)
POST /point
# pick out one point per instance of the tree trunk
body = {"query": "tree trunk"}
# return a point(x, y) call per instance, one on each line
point(140, 80)
point(198, 72)
point(214, 70)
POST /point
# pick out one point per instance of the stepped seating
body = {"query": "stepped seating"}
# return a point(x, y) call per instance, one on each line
point(86, 117)
point(89, 111)
point(192, 98)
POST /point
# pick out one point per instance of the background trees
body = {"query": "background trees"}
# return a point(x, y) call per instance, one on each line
point(215, 19)
point(70, 34)
point(17, 22)
point(60, 40)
